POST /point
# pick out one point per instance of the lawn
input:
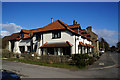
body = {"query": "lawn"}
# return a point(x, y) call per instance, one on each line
point(67, 66)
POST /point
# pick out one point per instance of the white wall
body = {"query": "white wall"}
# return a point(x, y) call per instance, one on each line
point(9, 46)
point(24, 42)
point(47, 37)
point(16, 47)
point(65, 36)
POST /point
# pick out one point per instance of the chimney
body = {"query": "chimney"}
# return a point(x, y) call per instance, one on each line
point(76, 22)
point(73, 22)
point(51, 20)
point(89, 28)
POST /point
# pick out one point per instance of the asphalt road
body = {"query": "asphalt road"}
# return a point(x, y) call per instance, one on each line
point(105, 67)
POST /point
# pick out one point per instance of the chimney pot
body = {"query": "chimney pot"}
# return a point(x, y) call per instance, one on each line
point(51, 20)
point(73, 22)
point(76, 22)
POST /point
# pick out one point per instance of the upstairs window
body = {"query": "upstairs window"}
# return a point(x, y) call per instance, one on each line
point(56, 35)
point(38, 36)
point(79, 30)
point(22, 35)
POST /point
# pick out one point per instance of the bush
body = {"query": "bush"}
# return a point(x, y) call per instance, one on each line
point(100, 54)
point(82, 60)
point(96, 56)
point(7, 54)
point(91, 60)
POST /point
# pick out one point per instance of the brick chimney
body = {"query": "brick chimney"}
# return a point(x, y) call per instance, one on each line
point(89, 28)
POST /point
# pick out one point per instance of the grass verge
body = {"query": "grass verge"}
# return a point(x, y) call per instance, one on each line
point(67, 66)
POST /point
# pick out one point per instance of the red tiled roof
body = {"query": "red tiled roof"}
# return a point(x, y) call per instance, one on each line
point(74, 26)
point(65, 44)
point(14, 36)
point(80, 43)
point(56, 25)
point(89, 45)
point(25, 31)
point(52, 26)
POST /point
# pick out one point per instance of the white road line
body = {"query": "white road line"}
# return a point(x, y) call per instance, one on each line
point(104, 67)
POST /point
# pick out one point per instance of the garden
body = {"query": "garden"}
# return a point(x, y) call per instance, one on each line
point(76, 61)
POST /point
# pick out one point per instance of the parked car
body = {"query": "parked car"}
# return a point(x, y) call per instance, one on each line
point(101, 51)
point(7, 75)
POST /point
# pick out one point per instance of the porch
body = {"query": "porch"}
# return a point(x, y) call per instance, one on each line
point(56, 48)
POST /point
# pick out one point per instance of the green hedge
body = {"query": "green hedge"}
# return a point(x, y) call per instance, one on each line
point(82, 60)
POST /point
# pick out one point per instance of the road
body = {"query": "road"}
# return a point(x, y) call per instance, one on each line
point(105, 67)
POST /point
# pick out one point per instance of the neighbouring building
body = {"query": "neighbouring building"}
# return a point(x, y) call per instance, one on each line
point(94, 38)
point(56, 38)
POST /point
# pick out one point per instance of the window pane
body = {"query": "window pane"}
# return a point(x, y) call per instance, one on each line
point(55, 35)
point(58, 34)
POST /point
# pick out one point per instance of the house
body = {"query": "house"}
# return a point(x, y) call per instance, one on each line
point(56, 38)
point(94, 38)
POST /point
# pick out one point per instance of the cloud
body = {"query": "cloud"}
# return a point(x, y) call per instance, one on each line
point(9, 28)
point(4, 33)
point(110, 36)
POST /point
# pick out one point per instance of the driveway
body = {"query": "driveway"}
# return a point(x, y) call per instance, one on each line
point(94, 71)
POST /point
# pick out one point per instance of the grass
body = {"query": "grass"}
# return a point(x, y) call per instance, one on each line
point(67, 66)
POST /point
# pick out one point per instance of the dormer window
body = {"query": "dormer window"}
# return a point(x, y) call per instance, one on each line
point(78, 30)
point(56, 34)
point(22, 35)
point(38, 36)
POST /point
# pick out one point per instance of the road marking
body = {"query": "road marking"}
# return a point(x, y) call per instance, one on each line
point(101, 64)
point(104, 67)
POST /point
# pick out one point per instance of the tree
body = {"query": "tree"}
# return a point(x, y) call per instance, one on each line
point(113, 48)
point(118, 46)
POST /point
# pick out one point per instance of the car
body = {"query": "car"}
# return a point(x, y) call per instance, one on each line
point(7, 75)
point(101, 51)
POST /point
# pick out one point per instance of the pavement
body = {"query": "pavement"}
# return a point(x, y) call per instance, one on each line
point(105, 67)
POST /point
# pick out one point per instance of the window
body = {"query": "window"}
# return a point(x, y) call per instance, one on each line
point(38, 36)
point(78, 30)
point(22, 35)
point(56, 34)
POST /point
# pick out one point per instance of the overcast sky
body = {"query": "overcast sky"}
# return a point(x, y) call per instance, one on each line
point(102, 16)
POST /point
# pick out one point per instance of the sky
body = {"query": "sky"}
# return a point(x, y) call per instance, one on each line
point(102, 16)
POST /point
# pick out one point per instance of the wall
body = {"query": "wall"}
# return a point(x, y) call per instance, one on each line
point(65, 36)
point(94, 37)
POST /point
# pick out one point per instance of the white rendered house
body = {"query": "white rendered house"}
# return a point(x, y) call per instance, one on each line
point(56, 38)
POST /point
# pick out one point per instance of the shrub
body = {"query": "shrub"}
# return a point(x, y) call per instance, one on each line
point(7, 54)
point(96, 56)
point(91, 60)
point(100, 54)
point(80, 60)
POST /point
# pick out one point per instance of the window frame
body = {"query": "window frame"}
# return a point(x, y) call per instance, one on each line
point(56, 34)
